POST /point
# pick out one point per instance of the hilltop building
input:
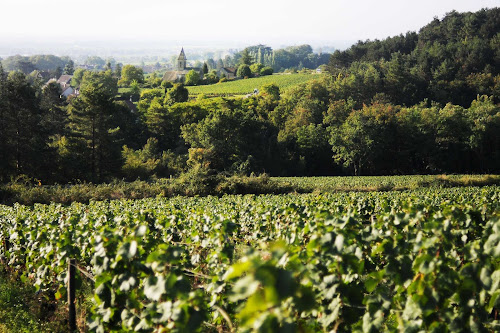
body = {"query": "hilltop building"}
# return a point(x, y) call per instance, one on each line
point(179, 74)
point(64, 82)
point(228, 72)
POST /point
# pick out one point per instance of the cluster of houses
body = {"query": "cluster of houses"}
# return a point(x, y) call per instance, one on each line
point(179, 73)
point(64, 82)
point(176, 75)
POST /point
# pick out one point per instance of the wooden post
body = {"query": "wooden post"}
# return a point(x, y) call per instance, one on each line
point(71, 295)
point(6, 245)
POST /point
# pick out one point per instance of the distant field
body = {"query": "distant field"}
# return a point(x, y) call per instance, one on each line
point(125, 90)
point(243, 87)
point(386, 183)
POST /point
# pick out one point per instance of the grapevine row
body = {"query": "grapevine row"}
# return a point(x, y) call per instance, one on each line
point(418, 260)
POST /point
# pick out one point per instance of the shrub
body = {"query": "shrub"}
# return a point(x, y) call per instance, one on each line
point(256, 68)
point(266, 71)
point(192, 78)
point(244, 71)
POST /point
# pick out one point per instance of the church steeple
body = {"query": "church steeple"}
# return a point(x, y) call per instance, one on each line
point(181, 61)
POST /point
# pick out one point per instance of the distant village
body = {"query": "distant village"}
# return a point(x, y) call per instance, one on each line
point(179, 73)
point(174, 73)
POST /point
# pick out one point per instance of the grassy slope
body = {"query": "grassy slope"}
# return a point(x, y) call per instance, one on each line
point(243, 87)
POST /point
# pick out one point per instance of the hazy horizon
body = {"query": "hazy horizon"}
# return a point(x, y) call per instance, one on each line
point(155, 26)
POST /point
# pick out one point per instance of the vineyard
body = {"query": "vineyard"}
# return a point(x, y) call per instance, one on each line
point(247, 86)
point(377, 183)
point(422, 260)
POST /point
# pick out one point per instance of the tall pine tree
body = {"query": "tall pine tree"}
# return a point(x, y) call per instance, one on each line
point(93, 122)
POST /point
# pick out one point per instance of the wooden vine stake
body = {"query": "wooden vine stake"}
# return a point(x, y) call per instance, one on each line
point(71, 295)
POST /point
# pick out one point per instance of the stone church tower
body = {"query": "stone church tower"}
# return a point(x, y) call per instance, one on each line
point(179, 73)
point(181, 61)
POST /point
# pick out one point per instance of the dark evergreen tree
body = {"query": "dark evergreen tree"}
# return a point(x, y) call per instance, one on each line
point(177, 94)
point(21, 130)
point(93, 121)
point(246, 58)
point(69, 69)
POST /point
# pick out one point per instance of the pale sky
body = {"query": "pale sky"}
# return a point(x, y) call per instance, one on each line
point(232, 21)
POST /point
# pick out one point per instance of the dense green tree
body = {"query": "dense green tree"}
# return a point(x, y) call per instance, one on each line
point(231, 139)
point(135, 90)
point(212, 77)
point(211, 64)
point(20, 125)
point(246, 58)
point(315, 154)
point(51, 100)
point(25, 66)
point(56, 73)
point(271, 90)
point(266, 71)
point(147, 96)
point(5, 169)
point(141, 163)
point(244, 71)
point(192, 78)
point(53, 124)
point(95, 62)
point(118, 70)
point(484, 139)
point(158, 122)
point(77, 78)
point(154, 80)
point(48, 62)
point(131, 73)
point(177, 94)
point(69, 68)
point(39, 62)
point(400, 84)
point(337, 112)
point(93, 121)
point(452, 132)
point(256, 68)
point(416, 139)
point(365, 141)
point(440, 62)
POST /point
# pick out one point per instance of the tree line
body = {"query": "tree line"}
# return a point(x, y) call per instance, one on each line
point(369, 117)
point(448, 60)
point(305, 131)
point(289, 58)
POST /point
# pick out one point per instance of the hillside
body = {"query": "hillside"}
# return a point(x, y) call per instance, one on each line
point(247, 86)
point(463, 37)
point(448, 60)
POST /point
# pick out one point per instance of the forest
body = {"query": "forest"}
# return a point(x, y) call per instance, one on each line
point(421, 103)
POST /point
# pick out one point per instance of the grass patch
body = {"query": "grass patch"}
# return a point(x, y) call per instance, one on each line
point(24, 310)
